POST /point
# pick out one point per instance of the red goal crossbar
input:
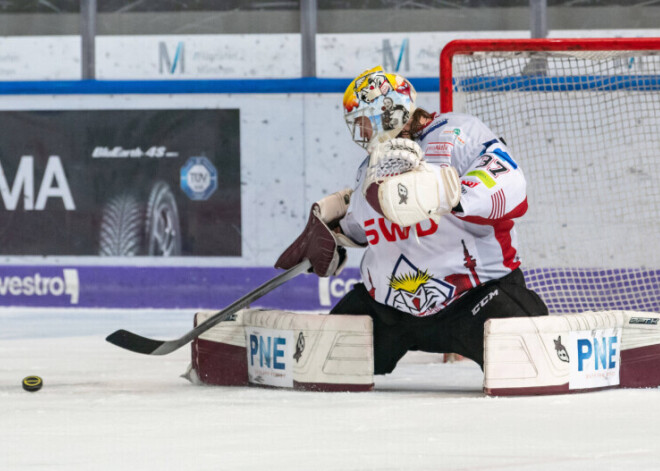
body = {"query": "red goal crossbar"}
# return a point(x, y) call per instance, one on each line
point(470, 46)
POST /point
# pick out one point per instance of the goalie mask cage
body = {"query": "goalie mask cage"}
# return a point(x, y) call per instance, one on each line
point(582, 117)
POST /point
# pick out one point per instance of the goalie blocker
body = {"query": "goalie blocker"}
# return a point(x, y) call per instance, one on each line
point(287, 350)
point(571, 353)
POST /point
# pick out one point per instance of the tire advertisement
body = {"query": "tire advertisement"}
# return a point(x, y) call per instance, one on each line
point(120, 183)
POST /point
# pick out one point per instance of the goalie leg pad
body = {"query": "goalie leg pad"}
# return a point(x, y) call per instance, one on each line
point(288, 350)
point(218, 355)
point(571, 353)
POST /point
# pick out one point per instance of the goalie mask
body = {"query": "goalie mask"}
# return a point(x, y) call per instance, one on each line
point(377, 106)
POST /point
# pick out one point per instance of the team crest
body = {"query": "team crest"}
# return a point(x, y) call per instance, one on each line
point(403, 194)
point(415, 291)
point(562, 353)
point(300, 347)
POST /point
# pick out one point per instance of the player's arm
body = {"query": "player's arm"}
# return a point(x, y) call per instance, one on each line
point(492, 188)
point(322, 241)
point(404, 188)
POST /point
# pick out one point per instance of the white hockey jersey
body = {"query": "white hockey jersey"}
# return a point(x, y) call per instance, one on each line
point(424, 272)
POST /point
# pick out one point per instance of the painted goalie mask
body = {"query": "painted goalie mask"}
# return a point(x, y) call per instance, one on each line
point(377, 106)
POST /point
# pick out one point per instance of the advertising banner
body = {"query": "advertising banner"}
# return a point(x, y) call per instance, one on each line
point(198, 56)
point(40, 57)
point(164, 287)
point(212, 288)
point(120, 182)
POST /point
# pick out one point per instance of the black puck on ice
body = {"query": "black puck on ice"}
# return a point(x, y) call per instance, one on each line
point(32, 383)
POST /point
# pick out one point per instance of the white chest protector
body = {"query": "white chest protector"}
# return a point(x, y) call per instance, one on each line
point(423, 268)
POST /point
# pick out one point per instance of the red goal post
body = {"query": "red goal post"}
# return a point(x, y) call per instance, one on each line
point(582, 117)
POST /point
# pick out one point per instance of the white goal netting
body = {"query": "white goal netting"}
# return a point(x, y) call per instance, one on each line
point(585, 128)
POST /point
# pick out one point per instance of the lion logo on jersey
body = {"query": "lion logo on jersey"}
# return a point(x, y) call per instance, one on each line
point(415, 294)
point(416, 291)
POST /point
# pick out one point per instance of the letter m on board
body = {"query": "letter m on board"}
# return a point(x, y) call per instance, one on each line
point(168, 63)
point(393, 60)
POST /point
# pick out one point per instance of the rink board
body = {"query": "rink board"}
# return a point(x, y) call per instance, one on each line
point(189, 287)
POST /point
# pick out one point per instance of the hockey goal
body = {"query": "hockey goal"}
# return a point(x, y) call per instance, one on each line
point(582, 117)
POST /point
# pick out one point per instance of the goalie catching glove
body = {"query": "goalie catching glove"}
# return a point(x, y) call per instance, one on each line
point(319, 243)
point(404, 188)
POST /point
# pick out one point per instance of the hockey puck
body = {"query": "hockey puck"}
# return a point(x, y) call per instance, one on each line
point(32, 383)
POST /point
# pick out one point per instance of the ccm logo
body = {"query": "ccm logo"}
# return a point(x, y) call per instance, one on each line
point(484, 301)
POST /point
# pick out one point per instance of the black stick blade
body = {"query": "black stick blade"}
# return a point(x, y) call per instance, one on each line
point(133, 342)
point(137, 343)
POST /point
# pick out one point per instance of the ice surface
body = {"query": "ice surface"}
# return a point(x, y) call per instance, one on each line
point(103, 408)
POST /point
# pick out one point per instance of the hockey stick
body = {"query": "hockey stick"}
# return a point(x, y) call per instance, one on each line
point(137, 343)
